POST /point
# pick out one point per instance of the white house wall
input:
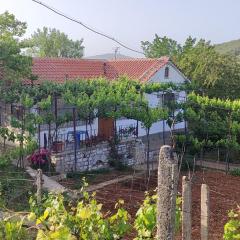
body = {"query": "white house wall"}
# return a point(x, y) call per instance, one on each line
point(175, 77)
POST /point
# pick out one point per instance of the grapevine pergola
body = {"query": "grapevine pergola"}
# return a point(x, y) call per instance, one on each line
point(90, 99)
point(213, 123)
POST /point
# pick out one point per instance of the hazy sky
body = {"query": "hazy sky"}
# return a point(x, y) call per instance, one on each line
point(132, 21)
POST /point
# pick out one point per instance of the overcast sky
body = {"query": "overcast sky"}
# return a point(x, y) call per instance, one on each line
point(132, 21)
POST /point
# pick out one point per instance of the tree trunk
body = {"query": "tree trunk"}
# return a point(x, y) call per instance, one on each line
point(49, 135)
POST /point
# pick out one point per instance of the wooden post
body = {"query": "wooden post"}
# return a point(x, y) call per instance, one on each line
point(56, 115)
point(204, 211)
point(39, 186)
point(163, 123)
point(75, 139)
point(39, 132)
point(137, 129)
point(186, 209)
point(201, 157)
point(166, 201)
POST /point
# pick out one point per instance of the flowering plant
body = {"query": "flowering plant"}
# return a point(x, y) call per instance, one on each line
point(40, 158)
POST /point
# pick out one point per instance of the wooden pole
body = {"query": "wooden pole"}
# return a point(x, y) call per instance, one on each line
point(39, 132)
point(204, 211)
point(75, 139)
point(39, 186)
point(163, 122)
point(56, 115)
point(166, 199)
point(186, 209)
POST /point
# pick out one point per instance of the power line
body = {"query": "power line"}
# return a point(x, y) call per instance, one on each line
point(87, 27)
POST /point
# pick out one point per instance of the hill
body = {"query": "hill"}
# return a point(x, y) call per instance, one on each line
point(108, 56)
point(231, 47)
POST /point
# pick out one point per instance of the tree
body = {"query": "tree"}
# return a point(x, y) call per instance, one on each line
point(13, 65)
point(26, 122)
point(161, 46)
point(210, 73)
point(53, 43)
point(214, 74)
point(141, 111)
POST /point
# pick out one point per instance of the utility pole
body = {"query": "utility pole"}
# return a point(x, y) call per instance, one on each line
point(116, 52)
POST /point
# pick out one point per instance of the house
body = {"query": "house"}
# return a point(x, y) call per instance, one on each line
point(160, 70)
point(149, 70)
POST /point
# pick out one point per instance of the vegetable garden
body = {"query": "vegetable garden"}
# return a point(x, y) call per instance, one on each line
point(212, 124)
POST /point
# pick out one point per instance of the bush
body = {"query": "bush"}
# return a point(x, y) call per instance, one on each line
point(40, 159)
point(14, 153)
point(84, 221)
point(235, 172)
point(7, 157)
point(145, 222)
point(232, 227)
point(57, 218)
point(187, 163)
point(12, 229)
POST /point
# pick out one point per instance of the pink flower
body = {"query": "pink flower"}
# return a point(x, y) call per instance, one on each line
point(39, 157)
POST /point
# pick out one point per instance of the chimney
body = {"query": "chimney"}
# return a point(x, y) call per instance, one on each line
point(105, 68)
point(66, 77)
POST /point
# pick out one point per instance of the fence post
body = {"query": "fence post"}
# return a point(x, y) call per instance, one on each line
point(186, 209)
point(204, 211)
point(39, 186)
point(167, 191)
point(75, 139)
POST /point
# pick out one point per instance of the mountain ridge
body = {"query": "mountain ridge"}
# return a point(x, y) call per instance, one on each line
point(231, 47)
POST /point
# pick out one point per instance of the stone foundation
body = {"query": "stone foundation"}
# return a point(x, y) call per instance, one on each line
point(97, 157)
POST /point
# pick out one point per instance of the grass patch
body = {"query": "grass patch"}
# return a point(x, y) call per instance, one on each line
point(15, 188)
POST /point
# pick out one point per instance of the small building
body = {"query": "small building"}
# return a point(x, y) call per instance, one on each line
point(161, 70)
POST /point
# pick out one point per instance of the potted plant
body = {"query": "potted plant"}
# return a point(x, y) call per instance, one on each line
point(57, 146)
point(41, 158)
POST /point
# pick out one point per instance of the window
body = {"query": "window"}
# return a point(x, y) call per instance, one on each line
point(168, 98)
point(166, 73)
point(16, 111)
point(165, 99)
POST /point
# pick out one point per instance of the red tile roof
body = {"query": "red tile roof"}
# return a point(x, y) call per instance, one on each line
point(60, 69)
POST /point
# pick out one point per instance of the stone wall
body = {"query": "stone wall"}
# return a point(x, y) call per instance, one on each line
point(97, 157)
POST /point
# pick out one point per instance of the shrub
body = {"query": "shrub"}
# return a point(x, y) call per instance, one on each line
point(10, 155)
point(84, 221)
point(232, 227)
point(145, 222)
point(235, 172)
point(14, 153)
point(40, 158)
point(56, 218)
point(12, 229)
point(187, 163)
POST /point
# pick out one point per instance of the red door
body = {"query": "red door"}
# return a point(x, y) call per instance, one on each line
point(105, 128)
